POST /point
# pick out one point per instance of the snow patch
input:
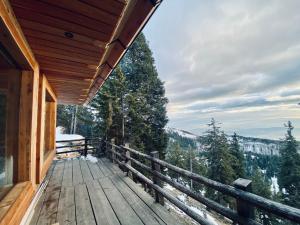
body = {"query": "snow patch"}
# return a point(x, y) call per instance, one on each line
point(182, 133)
point(203, 214)
point(90, 158)
point(274, 185)
point(181, 198)
point(169, 187)
point(60, 136)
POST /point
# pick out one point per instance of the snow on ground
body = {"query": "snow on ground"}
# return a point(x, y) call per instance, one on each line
point(182, 133)
point(91, 158)
point(181, 198)
point(274, 185)
point(60, 136)
point(169, 187)
point(204, 215)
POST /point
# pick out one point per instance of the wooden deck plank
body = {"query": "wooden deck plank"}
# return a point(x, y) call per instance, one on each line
point(84, 192)
point(48, 214)
point(158, 209)
point(103, 211)
point(145, 213)
point(68, 174)
point(86, 173)
point(95, 170)
point(104, 170)
point(66, 206)
point(77, 175)
point(124, 212)
point(161, 211)
point(40, 202)
point(84, 211)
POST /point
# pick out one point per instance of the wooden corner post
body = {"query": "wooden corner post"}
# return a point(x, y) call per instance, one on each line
point(113, 148)
point(243, 208)
point(128, 161)
point(156, 167)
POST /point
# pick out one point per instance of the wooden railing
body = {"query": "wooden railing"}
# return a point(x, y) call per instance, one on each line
point(82, 146)
point(245, 200)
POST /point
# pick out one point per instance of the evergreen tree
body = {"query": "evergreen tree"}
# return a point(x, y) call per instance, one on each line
point(198, 167)
point(175, 157)
point(289, 174)
point(219, 160)
point(238, 159)
point(109, 104)
point(135, 90)
point(146, 99)
point(261, 187)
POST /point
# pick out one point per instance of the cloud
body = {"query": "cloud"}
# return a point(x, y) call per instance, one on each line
point(239, 55)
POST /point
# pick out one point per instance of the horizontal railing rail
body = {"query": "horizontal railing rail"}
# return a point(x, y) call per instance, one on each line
point(82, 146)
point(245, 200)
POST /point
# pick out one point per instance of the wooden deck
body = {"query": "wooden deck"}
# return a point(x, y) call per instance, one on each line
point(82, 192)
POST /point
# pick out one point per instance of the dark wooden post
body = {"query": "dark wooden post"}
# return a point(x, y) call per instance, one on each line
point(113, 148)
point(244, 209)
point(128, 161)
point(158, 197)
point(85, 147)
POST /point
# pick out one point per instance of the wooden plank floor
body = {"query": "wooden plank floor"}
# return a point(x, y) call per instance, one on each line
point(95, 193)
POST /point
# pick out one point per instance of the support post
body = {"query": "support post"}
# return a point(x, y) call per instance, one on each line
point(85, 147)
point(128, 161)
point(156, 167)
point(243, 209)
point(113, 148)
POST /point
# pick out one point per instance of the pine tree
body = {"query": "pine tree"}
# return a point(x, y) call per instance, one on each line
point(109, 104)
point(146, 99)
point(261, 187)
point(198, 167)
point(219, 160)
point(175, 157)
point(289, 174)
point(238, 159)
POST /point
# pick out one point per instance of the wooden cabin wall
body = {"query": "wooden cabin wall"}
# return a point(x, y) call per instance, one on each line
point(27, 139)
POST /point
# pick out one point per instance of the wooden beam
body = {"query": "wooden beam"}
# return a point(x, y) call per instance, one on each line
point(13, 26)
point(28, 126)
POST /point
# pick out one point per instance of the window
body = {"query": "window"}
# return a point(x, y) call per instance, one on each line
point(49, 128)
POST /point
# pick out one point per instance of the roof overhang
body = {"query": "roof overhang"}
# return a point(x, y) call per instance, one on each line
point(77, 44)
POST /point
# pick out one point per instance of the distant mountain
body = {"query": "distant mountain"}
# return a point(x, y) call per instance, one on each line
point(247, 144)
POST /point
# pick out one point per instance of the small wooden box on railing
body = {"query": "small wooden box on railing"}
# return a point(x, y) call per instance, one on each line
point(243, 208)
point(156, 167)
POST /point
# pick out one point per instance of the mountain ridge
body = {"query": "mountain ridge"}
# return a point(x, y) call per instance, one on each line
point(247, 144)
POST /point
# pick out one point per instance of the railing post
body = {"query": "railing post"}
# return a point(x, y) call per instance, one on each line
point(113, 148)
point(85, 147)
point(128, 161)
point(244, 209)
point(156, 167)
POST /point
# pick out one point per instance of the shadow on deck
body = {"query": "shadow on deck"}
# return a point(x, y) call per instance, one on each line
point(85, 192)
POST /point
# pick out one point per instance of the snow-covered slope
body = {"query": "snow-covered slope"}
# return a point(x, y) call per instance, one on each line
point(181, 133)
point(247, 144)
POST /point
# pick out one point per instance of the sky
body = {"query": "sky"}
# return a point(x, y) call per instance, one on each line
point(237, 61)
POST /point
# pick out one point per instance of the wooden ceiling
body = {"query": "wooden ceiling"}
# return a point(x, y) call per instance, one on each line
point(78, 43)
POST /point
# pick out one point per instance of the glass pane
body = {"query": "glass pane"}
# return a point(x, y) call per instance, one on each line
point(4, 158)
